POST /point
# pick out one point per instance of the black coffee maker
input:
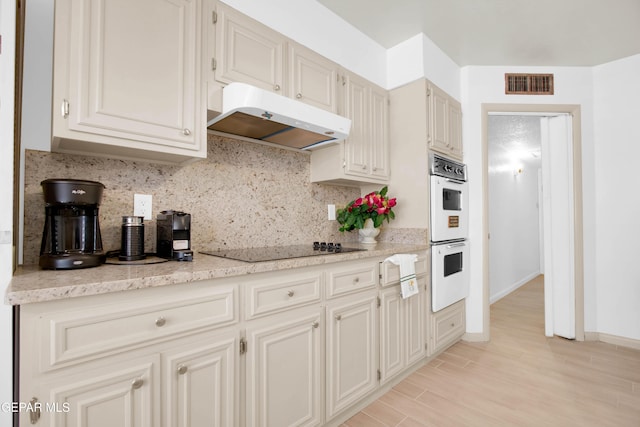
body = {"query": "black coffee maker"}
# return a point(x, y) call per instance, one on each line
point(71, 237)
point(174, 235)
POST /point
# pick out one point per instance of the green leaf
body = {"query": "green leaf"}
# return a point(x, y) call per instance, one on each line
point(383, 192)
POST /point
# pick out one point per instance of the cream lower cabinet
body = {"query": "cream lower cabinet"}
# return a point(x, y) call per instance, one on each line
point(153, 357)
point(284, 370)
point(299, 347)
point(124, 393)
point(352, 362)
point(199, 382)
point(402, 330)
point(446, 327)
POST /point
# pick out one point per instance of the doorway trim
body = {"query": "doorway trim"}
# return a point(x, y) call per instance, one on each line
point(575, 112)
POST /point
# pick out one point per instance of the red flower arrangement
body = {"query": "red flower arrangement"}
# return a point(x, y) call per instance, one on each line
point(375, 206)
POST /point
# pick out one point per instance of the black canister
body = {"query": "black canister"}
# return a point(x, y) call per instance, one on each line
point(132, 243)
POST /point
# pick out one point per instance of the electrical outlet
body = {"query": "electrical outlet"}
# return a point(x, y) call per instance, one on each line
point(332, 212)
point(142, 206)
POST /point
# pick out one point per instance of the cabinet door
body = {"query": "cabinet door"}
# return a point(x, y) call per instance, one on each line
point(379, 132)
point(391, 333)
point(438, 120)
point(284, 371)
point(129, 70)
point(415, 324)
point(455, 129)
point(125, 394)
point(357, 150)
point(351, 351)
point(248, 52)
point(200, 383)
point(312, 78)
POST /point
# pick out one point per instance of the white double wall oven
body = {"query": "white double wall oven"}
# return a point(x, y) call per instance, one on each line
point(449, 225)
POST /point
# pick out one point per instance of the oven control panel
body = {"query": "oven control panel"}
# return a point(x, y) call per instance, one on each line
point(442, 166)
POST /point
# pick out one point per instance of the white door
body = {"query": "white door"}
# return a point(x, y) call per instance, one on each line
point(558, 213)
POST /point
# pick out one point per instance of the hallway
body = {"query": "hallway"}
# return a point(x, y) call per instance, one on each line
point(519, 378)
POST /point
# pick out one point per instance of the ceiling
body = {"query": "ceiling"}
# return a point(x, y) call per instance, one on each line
point(504, 32)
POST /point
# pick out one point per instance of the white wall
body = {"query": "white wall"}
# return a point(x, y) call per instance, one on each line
point(513, 203)
point(7, 30)
point(617, 143)
point(479, 85)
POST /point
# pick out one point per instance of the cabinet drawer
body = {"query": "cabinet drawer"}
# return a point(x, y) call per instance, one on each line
point(122, 323)
point(351, 277)
point(390, 273)
point(448, 325)
point(280, 293)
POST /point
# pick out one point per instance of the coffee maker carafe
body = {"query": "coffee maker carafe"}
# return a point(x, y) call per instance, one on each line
point(71, 237)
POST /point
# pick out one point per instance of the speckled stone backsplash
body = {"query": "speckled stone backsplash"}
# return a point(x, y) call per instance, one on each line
point(243, 195)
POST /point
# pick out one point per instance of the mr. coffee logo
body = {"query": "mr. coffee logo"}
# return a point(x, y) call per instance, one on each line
point(81, 192)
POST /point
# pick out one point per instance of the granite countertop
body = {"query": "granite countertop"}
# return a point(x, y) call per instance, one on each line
point(30, 284)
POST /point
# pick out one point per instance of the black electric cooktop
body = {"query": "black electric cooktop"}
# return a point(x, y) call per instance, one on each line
point(274, 253)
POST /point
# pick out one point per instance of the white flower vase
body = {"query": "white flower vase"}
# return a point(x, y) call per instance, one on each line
point(369, 233)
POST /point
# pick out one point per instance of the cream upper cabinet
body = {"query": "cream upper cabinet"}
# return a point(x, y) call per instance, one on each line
point(284, 370)
point(129, 79)
point(364, 156)
point(445, 123)
point(248, 52)
point(313, 79)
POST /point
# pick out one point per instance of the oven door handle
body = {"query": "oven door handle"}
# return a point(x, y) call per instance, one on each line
point(456, 245)
point(455, 181)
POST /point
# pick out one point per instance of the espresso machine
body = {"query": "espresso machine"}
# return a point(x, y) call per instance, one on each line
point(174, 235)
point(71, 236)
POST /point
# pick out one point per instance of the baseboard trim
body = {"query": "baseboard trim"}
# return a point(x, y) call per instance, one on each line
point(612, 339)
point(513, 287)
point(475, 337)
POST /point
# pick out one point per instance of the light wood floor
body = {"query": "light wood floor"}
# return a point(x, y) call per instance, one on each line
point(519, 378)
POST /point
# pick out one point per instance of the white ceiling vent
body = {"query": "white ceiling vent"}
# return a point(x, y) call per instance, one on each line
point(528, 84)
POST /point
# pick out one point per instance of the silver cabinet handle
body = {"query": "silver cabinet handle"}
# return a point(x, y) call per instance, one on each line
point(339, 317)
point(186, 132)
point(137, 383)
point(290, 293)
point(160, 321)
point(276, 87)
point(315, 324)
point(182, 369)
point(298, 95)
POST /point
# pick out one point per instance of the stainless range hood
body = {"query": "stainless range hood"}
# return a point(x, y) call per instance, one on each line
point(257, 114)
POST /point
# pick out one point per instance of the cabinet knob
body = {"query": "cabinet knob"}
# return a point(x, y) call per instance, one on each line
point(160, 321)
point(290, 293)
point(356, 280)
point(298, 95)
point(137, 383)
point(186, 132)
point(276, 87)
point(182, 369)
point(339, 317)
point(364, 166)
point(375, 169)
point(315, 324)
